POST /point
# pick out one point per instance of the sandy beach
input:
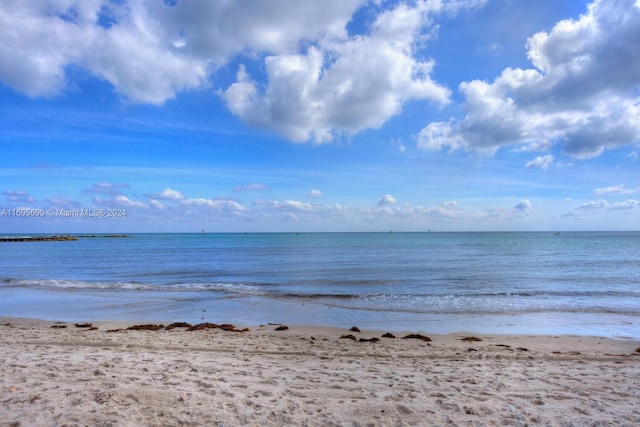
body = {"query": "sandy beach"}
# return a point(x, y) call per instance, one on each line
point(108, 375)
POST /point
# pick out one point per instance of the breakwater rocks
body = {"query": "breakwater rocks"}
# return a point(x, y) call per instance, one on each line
point(37, 238)
point(57, 238)
point(106, 236)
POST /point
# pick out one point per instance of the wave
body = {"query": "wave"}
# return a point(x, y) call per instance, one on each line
point(471, 295)
point(62, 284)
point(491, 310)
point(437, 302)
point(284, 291)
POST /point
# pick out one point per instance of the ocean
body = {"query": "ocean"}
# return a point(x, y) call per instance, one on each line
point(579, 283)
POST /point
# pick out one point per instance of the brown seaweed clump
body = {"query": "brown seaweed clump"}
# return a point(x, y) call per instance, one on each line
point(417, 337)
point(348, 337)
point(148, 327)
point(177, 325)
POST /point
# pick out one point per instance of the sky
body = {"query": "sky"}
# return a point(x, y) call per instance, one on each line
point(334, 115)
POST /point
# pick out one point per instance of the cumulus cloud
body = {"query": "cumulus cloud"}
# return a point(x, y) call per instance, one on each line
point(18, 196)
point(523, 205)
point(320, 80)
point(581, 94)
point(387, 200)
point(344, 84)
point(168, 194)
point(541, 162)
point(37, 43)
point(149, 51)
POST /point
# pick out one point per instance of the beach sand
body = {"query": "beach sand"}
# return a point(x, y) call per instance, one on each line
point(68, 375)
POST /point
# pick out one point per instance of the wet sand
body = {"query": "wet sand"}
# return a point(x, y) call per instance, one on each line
point(104, 374)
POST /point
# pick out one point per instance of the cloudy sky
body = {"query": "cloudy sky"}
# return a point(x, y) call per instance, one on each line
point(333, 115)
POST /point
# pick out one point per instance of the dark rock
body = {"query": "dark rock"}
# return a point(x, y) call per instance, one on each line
point(374, 339)
point(148, 327)
point(227, 327)
point(177, 325)
point(417, 337)
point(281, 328)
point(471, 339)
point(638, 350)
point(354, 329)
point(58, 326)
point(348, 337)
point(388, 335)
point(522, 349)
point(471, 349)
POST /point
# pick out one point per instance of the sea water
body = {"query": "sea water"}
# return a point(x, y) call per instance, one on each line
point(585, 283)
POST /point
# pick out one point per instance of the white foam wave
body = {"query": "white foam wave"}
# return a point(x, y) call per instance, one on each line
point(227, 288)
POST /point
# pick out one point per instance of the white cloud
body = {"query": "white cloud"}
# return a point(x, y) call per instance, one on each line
point(627, 204)
point(217, 204)
point(387, 200)
point(595, 204)
point(119, 201)
point(294, 210)
point(320, 80)
point(156, 204)
point(168, 194)
point(126, 202)
point(542, 162)
point(615, 189)
point(450, 204)
point(315, 194)
point(36, 43)
point(343, 84)
point(220, 30)
point(582, 93)
point(150, 51)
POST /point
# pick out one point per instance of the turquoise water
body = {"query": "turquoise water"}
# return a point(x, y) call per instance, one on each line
point(540, 283)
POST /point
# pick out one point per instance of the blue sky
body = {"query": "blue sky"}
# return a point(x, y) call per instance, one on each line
point(340, 115)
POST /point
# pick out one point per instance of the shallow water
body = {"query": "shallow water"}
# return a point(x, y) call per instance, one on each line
point(536, 283)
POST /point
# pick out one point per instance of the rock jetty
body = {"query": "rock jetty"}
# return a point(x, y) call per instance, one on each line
point(37, 238)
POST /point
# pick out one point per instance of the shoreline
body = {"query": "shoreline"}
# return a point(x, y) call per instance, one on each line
point(103, 325)
point(308, 375)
